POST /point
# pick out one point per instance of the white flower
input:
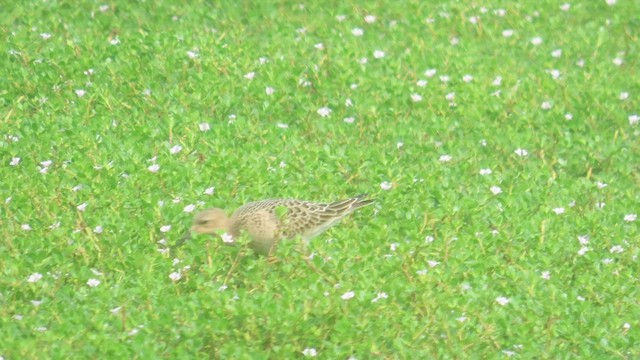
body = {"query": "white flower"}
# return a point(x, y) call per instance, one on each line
point(496, 190)
point(357, 32)
point(370, 19)
point(616, 249)
point(618, 61)
point(250, 75)
point(386, 185)
point(634, 119)
point(209, 190)
point(454, 41)
point(35, 277)
point(114, 41)
point(497, 81)
point(378, 54)
point(565, 7)
point(583, 250)
point(558, 210)
point(324, 111)
point(630, 217)
point(25, 227)
point(507, 33)
point(421, 83)
point(348, 295)
point(546, 105)
point(115, 310)
point(521, 152)
point(104, 8)
point(429, 239)
point(580, 63)
point(430, 72)
point(623, 95)
point(222, 288)
point(416, 97)
point(445, 158)
point(450, 96)
point(341, 18)
point(82, 206)
point(503, 300)
point(485, 171)
point(422, 272)
point(500, 12)
point(227, 238)
point(467, 78)
point(580, 298)
point(444, 78)
point(556, 53)
point(175, 276)
point(14, 161)
point(98, 229)
point(626, 326)
point(583, 239)
point(165, 228)
point(348, 103)
point(536, 40)
point(80, 92)
point(381, 295)
point(349, 120)
point(319, 46)
point(611, 2)
point(473, 19)
point(546, 275)
point(568, 116)
point(204, 126)
point(189, 208)
point(175, 149)
point(363, 60)
point(433, 263)
point(45, 36)
point(509, 353)
point(93, 282)
point(269, 90)
point(154, 168)
point(192, 54)
point(555, 74)
point(309, 352)
point(601, 185)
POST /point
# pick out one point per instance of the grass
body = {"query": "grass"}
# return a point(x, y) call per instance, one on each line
point(441, 249)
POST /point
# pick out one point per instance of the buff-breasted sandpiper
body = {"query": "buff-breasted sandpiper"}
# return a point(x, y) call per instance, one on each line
point(268, 221)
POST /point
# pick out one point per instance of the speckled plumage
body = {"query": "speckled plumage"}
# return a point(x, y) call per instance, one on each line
point(269, 220)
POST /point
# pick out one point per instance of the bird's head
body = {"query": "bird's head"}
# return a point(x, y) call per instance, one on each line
point(210, 221)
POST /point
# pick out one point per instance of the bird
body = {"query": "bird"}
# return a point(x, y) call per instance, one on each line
point(268, 221)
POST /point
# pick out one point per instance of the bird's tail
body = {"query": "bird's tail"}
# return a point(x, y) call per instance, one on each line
point(349, 205)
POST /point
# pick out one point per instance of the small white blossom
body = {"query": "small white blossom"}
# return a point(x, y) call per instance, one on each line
point(204, 126)
point(209, 190)
point(546, 275)
point(507, 33)
point(556, 53)
point(565, 7)
point(341, 18)
point(349, 120)
point(189, 208)
point(269, 90)
point(630, 217)
point(433, 263)
point(558, 210)
point(154, 168)
point(546, 105)
point(319, 46)
point(175, 276)
point(98, 229)
point(175, 149)
point(444, 78)
point(193, 54)
point(583, 250)
point(521, 152)
point(623, 95)
point(381, 295)
point(93, 282)
point(348, 295)
point(430, 72)
point(485, 171)
point(310, 352)
point(250, 75)
point(114, 41)
point(386, 185)
point(357, 32)
point(348, 103)
point(607, 261)
point(45, 36)
point(503, 300)
point(634, 119)
point(536, 41)
point(616, 249)
point(496, 190)
point(25, 227)
point(422, 272)
point(324, 111)
point(467, 78)
point(416, 97)
point(568, 116)
point(583, 239)
point(35, 277)
point(227, 238)
point(450, 96)
point(378, 54)
point(421, 83)
point(611, 2)
point(80, 92)
point(618, 61)
point(370, 19)
point(500, 12)
point(445, 158)
point(82, 206)
point(14, 161)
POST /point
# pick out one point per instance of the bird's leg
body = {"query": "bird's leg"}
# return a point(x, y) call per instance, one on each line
point(233, 266)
